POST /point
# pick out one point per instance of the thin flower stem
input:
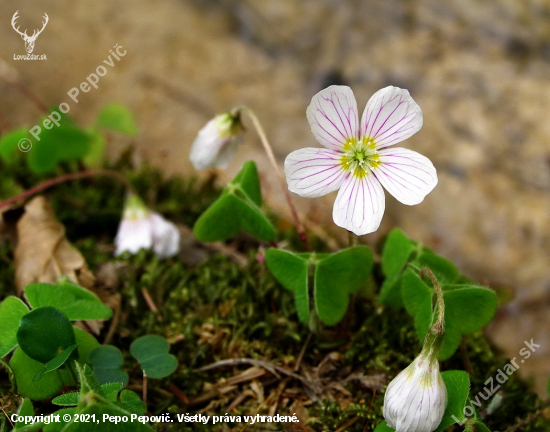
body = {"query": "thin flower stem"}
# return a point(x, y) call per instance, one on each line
point(145, 389)
point(27, 93)
point(439, 326)
point(72, 176)
point(271, 157)
point(352, 239)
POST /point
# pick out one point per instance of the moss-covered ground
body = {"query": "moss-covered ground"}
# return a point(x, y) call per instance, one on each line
point(219, 304)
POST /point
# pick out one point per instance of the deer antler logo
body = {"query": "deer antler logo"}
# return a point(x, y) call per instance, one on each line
point(29, 40)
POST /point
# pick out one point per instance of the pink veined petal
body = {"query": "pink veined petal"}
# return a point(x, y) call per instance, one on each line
point(313, 172)
point(359, 205)
point(391, 116)
point(333, 116)
point(406, 174)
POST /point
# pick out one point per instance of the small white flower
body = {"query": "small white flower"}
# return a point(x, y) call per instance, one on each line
point(416, 399)
point(166, 236)
point(216, 143)
point(357, 159)
point(141, 228)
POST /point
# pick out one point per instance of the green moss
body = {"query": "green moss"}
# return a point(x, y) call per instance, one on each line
point(221, 309)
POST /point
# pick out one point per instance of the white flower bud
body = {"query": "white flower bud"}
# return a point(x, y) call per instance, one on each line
point(216, 143)
point(141, 228)
point(166, 236)
point(134, 231)
point(416, 398)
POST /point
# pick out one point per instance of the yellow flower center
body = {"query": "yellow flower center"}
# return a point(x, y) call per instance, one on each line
point(360, 156)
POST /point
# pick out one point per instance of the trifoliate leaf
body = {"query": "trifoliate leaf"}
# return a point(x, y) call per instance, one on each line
point(237, 208)
point(106, 361)
point(152, 353)
point(44, 333)
point(75, 302)
point(396, 252)
point(68, 141)
point(443, 269)
point(336, 277)
point(458, 386)
point(117, 118)
point(55, 363)
point(468, 308)
point(12, 310)
point(25, 369)
point(292, 272)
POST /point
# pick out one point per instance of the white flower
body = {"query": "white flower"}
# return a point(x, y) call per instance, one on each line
point(166, 236)
point(216, 143)
point(141, 228)
point(416, 399)
point(358, 159)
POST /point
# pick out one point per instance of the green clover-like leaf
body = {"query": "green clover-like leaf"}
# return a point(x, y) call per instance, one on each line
point(55, 363)
point(107, 361)
point(44, 333)
point(68, 141)
point(117, 118)
point(152, 353)
point(12, 310)
point(237, 208)
point(335, 277)
point(76, 302)
point(25, 369)
point(468, 308)
point(291, 271)
point(458, 386)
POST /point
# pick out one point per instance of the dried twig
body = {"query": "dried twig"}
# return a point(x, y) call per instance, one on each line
point(150, 303)
point(181, 395)
point(345, 426)
point(302, 352)
point(267, 366)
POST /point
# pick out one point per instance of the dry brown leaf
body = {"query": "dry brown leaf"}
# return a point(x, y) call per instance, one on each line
point(43, 253)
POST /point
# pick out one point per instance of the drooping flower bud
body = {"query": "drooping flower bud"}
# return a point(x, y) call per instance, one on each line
point(141, 228)
point(216, 143)
point(166, 236)
point(416, 399)
point(134, 231)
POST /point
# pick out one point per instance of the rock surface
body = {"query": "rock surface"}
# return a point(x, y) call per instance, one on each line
point(479, 70)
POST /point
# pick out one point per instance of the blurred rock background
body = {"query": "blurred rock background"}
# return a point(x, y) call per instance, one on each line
point(479, 69)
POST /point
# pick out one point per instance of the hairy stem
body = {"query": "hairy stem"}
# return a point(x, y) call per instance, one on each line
point(439, 326)
point(271, 157)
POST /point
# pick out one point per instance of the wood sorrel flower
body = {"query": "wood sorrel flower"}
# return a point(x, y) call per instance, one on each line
point(141, 228)
point(357, 159)
point(416, 399)
point(216, 143)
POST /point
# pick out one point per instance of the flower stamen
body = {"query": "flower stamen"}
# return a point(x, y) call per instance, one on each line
point(360, 156)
